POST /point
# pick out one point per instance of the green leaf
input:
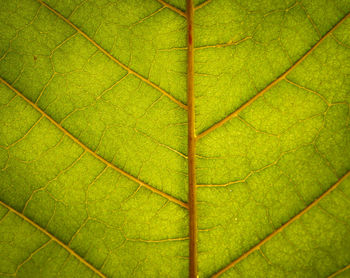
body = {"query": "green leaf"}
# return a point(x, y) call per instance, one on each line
point(97, 153)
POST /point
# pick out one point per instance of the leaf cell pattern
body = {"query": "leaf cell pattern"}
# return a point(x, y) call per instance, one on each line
point(110, 109)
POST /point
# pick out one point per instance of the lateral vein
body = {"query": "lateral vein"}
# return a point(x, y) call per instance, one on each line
point(273, 83)
point(202, 5)
point(52, 237)
point(339, 271)
point(129, 70)
point(171, 7)
point(281, 228)
point(86, 148)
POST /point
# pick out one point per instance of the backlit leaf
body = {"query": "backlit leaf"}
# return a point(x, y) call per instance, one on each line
point(95, 120)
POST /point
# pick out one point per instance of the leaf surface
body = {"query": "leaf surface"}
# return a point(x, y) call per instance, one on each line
point(94, 155)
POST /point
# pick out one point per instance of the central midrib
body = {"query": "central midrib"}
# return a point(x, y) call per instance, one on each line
point(191, 143)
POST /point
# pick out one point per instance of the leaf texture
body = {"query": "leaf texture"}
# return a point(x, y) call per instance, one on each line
point(124, 137)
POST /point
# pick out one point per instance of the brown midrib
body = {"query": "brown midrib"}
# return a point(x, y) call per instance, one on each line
point(191, 144)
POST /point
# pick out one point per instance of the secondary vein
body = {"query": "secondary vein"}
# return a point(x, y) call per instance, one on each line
point(273, 83)
point(129, 70)
point(52, 237)
point(171, 7)
point(281, 228)
point(339, 271)
point(202, 5)
point(86, 148)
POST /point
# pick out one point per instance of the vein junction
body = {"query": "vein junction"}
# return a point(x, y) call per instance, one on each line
point(272, 84)
point(285, 225)
point(129, 70)
point(109, 164)
point(52, 238)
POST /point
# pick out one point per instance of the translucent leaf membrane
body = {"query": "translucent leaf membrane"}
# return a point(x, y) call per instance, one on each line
point(93, 138)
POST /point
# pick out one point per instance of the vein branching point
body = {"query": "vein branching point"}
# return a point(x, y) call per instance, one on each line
point(281, 228)
point(273, 83)
point(93, 153)
point(110, 56)
point(55, 239)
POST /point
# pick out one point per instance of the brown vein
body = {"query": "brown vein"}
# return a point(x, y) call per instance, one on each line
point(273, 83)
point(192, 188)
point(281, 228)
point(228, 183)
point(68, 134)
point(171, 7)
point(52, 237)
point(129, 70)
point(339, 271)
point(30, 257)
point(157, 240)
point(202, 5)
point(230, 43)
